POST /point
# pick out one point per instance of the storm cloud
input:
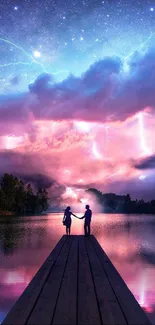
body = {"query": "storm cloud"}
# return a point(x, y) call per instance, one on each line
point(43, 140)
point(147, 163)
point(105, 92)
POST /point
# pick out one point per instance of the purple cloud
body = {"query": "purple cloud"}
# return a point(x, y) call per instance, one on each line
point(103, 93)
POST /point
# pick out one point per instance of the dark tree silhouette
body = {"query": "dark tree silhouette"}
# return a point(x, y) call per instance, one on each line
point(112, 203)
point(19, 199)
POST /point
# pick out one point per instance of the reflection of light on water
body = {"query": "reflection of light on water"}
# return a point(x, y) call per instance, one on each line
point(142, 293)
point(14, 277)
point(148, 309)
point(142, 299)
point(123, 246)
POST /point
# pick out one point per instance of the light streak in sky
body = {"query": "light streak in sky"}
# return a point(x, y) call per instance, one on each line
point(139, 47)
point(107, 138)
point(95, 151)
point(36, 54)
point(144, 147)
point(16, 63)
point(141, 116)
point(29, 56)
point(119, 172)
point(16, 46)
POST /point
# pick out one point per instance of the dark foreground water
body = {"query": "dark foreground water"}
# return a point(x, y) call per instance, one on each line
point(128, 240)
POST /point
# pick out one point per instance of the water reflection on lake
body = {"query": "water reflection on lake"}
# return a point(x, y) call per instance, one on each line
point(129, 241)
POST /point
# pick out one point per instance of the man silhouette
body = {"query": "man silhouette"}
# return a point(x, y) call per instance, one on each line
point(87, 216)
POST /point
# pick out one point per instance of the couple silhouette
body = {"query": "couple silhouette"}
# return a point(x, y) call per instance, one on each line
point(67, 220)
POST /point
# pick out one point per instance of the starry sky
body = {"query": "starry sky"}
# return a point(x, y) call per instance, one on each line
point(67, 37)
point(77, 94)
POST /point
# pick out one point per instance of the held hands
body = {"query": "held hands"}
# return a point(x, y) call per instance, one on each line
point(77, 217)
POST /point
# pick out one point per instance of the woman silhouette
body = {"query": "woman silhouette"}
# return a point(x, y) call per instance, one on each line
point(67, 220)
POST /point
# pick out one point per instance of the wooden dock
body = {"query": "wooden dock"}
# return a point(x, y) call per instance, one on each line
point(77, 284)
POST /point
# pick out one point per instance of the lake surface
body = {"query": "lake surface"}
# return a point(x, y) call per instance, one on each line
point(129, 241)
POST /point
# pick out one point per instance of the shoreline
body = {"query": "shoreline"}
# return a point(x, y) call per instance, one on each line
point(10, 215)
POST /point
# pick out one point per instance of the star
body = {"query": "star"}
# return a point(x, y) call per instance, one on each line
point(36, 54)
point(152, 9)
point(15, 8)
point(81, 38)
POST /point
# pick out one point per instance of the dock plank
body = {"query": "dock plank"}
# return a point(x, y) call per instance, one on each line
point(21, 310)
point(88, 312)
point(132, 311)
point(66, 309)
point(110, 310)
point(44, 309)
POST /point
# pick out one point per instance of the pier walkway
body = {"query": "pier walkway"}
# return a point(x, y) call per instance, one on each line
point(77, 284)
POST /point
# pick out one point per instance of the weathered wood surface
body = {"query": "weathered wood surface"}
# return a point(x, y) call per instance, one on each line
point(79, 285)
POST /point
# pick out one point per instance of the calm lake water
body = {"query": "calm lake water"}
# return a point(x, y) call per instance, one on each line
point(129, 241)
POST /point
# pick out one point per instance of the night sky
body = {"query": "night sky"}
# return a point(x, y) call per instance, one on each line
point(77, 99)
point(62, 37)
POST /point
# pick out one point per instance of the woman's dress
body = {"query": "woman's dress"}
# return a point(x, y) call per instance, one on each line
point(68, 219)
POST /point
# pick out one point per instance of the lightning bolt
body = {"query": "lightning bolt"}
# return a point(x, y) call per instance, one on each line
point(29, 56)
point(24, 52)
point(95, 151)
point(107, 138)
point(139, 47)
point(16, 46)
point(144, 147)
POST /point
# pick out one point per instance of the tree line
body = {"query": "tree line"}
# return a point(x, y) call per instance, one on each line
point(17, 198)
point(112, 203)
